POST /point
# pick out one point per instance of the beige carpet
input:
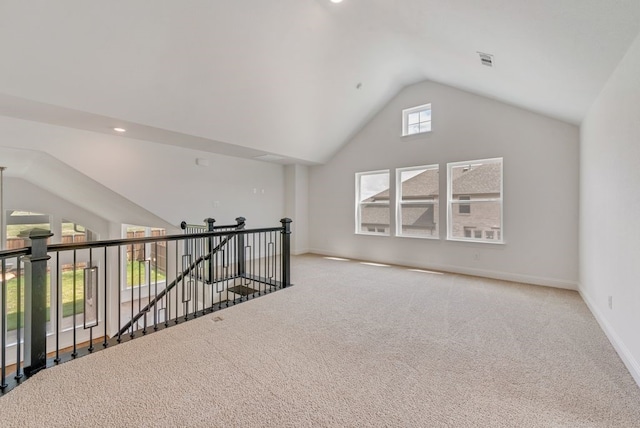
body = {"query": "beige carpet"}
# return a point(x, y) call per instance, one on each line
point(352, 345)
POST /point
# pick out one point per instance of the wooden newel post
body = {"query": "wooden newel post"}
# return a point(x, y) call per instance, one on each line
point(286, 251)
point(35, 300)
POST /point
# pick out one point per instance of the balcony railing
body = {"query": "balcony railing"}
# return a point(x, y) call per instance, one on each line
point(59, 302)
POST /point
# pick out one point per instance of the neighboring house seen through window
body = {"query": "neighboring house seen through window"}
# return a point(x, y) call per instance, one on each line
point(464, 208)
point(372, 203)
point(474, 198)
point(417, 201)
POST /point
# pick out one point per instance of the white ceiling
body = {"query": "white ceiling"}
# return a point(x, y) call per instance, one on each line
point(257, 77)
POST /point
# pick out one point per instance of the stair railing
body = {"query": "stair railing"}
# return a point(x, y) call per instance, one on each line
point(62, 301)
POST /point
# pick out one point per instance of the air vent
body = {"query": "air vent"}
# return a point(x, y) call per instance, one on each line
point(486, 59)
point(269, 158)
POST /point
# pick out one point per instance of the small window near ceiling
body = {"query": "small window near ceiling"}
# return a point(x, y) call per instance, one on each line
point(416, 120)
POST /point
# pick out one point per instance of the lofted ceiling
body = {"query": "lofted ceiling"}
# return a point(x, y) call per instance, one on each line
point(294, 78)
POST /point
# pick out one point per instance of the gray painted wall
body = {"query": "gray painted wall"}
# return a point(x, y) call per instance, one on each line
point(540, 187)
point(609, 208)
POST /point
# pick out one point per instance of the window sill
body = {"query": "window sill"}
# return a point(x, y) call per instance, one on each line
point(477, 241)
point(372, 234)
point(416, 136)
point(434, 238)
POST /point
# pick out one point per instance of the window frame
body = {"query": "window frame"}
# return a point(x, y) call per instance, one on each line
point(127, 292)
point(358, 205)
point(398, 200)
point(499, 233)
point(417, 109)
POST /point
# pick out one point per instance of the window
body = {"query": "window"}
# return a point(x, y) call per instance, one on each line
point(372, 203)
point(464, 208)
point(22, 221)
point(474, 200)
point(417, 201)
point(68, 274)
point(145, 262)
point(416, 120)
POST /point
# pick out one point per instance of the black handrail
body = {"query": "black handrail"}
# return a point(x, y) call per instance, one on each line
point(5, 254)
point(130, 241)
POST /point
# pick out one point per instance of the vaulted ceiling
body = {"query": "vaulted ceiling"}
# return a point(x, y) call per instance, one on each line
point(294, 78)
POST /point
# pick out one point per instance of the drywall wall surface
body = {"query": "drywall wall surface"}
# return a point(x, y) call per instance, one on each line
point(540, 187)
point(297, 206)
point(609, 208)
point(21, 195)
point(163, 179)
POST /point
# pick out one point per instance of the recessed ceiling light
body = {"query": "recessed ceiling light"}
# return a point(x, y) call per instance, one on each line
point(119, 129)
point(336, 1)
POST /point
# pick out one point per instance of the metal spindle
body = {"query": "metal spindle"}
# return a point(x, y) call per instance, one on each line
point(84, 297)
point(119, 292)
point(131, 334)
point(75, 296)
point(19, 323)
point(106, 316)
point(58, 316)
point(3, 333)
point(155, 293)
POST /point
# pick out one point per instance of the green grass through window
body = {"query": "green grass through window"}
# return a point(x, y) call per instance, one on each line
point(67, 291)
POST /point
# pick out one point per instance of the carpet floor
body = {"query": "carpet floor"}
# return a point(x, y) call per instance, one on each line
point(353, 345)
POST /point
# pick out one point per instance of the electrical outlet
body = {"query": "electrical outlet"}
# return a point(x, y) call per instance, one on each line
point(610, 302)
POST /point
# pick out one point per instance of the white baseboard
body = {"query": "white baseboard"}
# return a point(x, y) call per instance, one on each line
point(625, 355)
point(505, 276)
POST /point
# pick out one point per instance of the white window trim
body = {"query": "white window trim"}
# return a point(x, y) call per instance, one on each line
point(357, 201)
point(451, 202)
point(399, 202)
point(405, 119)
point(127, 293)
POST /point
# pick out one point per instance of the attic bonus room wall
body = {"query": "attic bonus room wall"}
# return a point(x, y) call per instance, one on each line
point(610, 206)
point(540, 187)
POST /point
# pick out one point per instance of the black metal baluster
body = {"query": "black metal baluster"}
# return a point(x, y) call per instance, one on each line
point(19, 323)
point(84, 297)
point(146, 275)
point(167, 301)
point(176, 287)
point(3, 333)
point(119, 293)
point(75, 296)
point(105, 316)
point(199, 278)
point(132, 288)
point(253, 263)
point(155, 293)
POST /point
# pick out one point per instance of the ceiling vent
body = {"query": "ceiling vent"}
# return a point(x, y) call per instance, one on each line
point(486, 59)
point(269, 158)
